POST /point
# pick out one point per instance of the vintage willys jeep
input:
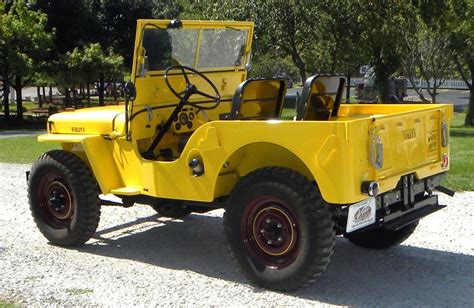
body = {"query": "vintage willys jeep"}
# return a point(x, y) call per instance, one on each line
point(195, 135)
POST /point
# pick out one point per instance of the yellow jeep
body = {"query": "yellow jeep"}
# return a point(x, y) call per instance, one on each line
point(194, 135)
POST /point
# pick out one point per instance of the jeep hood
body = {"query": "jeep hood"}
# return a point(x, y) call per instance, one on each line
point(88, 121)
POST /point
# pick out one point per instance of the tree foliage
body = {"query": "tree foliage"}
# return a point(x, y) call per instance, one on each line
point(25, 45)
point(427, 54)
point(91, 63)
point(461, 35)
point(420, 38)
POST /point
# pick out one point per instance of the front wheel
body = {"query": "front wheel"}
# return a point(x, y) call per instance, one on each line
point(279, 229)
point(64, 198)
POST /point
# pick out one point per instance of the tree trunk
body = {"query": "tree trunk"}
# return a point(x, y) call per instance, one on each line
point(115, 91)
point(469, 120)
point(348, 87)
point(44, 93)
point(381, 84)
point(67, 97)
point(50, 94)
point(19, 99)
point(6, 100)
point(433, 95)
point(40, 99)
point(74, 96)
point(88, 89)
point(101, 90)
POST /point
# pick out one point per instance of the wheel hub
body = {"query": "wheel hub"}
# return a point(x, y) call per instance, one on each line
point(276, 233)
point(270, 231)
point(59, 200)
point(56, 201)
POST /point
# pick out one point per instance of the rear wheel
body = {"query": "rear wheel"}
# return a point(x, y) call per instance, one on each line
point(279, 229)
point(64, 198)
point(381, 238)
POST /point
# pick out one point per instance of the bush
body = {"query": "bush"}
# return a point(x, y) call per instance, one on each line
point(268, 66)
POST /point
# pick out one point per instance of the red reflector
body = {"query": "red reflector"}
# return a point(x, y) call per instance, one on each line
point(445, 161)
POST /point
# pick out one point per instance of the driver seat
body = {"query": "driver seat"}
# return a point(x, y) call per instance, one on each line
point(258, 99)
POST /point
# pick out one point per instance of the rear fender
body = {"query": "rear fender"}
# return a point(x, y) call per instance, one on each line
point(255, 156)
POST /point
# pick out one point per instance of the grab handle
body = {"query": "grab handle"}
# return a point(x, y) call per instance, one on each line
point(376, 152)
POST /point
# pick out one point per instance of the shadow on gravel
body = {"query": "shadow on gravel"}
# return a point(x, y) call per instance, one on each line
point(401, 276)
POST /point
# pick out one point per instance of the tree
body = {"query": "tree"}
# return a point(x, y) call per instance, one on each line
point(74, 22)
point(25, 43)
point(339, 47)
point(116, 22)
point(427, 54)
point(166, 9)
point(382, 39)
point(461, 36)
point(90, 64)
point(268, 66)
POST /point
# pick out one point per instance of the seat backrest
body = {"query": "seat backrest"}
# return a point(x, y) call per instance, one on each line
point(320, 98)
point(258, 99)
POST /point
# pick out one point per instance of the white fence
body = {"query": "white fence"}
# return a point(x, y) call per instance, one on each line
point(448, 84)
point(457, 84)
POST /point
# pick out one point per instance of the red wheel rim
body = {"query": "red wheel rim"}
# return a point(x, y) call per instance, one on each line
point(55, 201)
point(270, 231)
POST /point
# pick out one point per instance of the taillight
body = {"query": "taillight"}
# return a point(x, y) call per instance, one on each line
point(444, 161)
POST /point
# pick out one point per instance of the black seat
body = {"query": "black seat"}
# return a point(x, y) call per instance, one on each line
point(257, 99)
point(320, 98)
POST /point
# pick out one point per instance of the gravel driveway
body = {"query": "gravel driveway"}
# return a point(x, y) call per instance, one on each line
point(138, 258)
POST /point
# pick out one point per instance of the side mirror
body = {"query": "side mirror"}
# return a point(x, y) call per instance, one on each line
point(130, 91)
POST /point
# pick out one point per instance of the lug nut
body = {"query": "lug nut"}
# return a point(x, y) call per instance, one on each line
point(279, 225)
point(268, 220)
point(269, 242)
point(280, 239)
point(262, 231)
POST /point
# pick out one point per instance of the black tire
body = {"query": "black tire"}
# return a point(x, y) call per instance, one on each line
point(64, 198)
point(172, 209)
point(381, 238)
point(279, 229)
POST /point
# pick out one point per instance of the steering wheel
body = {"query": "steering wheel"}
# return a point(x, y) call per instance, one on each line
point(191, 89)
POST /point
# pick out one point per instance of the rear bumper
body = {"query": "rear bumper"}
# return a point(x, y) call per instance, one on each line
point(419, 210)
point(410, 201)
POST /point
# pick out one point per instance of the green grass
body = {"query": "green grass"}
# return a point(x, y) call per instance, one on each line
point(7, 304)
point(23, 150)
point(76, 291)
point(461, 170)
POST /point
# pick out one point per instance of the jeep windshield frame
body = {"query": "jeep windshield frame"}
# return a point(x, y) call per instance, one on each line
point(205, 46)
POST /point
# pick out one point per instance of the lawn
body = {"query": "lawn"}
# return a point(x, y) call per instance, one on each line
point(27, 149)
point(461, 170)
point(6, 304)
point(23, 150)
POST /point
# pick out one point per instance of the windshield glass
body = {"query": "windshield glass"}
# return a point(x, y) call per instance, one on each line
point(217, 48)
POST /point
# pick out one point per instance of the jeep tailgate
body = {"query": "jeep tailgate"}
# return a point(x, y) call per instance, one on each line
point(408, 141)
